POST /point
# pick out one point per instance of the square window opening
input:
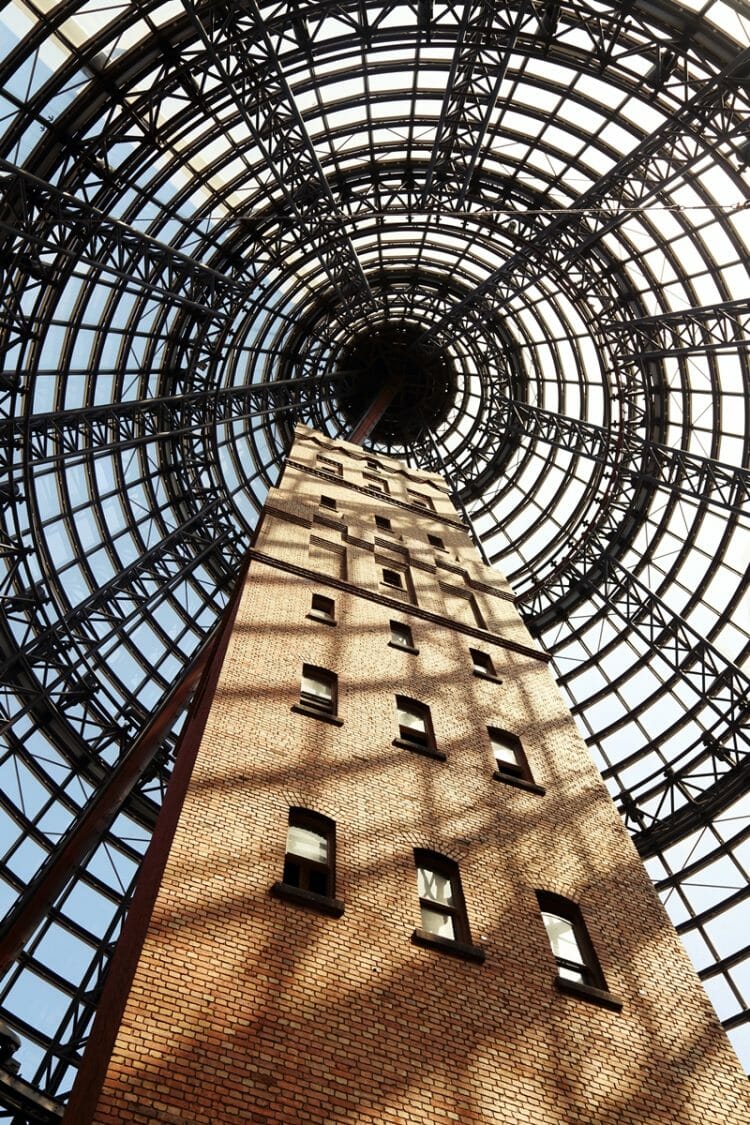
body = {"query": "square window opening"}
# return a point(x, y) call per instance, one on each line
point(482, 663)
point(318, 690)
point(323, 607)
point(401, 635)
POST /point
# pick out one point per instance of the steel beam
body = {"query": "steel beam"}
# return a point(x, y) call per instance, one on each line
point(705, 329)
point(486, 38)
point(679, 471)
point(713, 770)
point(57, 435)
point(713, 116)
point(44, 222)
point(80, 840)
point(240, 57)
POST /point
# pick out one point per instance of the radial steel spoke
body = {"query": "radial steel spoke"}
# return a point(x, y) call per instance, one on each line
point(705, 329)
point(713, 116)
point(680, 471)
point(241, 57)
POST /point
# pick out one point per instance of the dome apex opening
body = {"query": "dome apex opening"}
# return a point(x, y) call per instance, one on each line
point(423, 380)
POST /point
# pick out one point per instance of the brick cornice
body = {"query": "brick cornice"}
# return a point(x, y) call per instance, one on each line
point(395, 604)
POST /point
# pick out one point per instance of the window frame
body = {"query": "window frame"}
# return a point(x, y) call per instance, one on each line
point(423, 744)
point(517, 773)
point(460, 945)
point(314, 705)
point(325, 616)
point(594, 985)
point(375, 484)
point(394, 627)
point(383, 523)
point(328, 503)
point(436, 541)
point(328, 466)
point(420, 500)
point(483, 666)
point(404, 592)
point(300, 893)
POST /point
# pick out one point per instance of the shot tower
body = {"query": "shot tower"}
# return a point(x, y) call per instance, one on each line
point(397, 889)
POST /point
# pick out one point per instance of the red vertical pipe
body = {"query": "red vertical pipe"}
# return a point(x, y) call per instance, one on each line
point(87, 1088)
point(375, 411)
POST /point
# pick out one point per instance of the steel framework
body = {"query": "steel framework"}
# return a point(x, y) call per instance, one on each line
point(202, 205)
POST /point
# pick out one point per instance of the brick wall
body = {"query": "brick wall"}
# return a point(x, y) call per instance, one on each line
point(245, 1007)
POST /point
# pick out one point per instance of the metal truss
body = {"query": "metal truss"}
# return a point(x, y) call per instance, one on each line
point(710, 773)
point(486, 39)
point(707, 329)
point(713, 117)
point(199, 208)
point(43, 222)
point(241, 57)
point(67, 435)
point(701, 479)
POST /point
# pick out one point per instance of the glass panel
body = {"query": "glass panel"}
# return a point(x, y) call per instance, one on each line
point(439, 924)
point(562, 938)
point(318, 882)
point(411, 720)
point(571, 974)
point(505, 755)
point(401, 635)
point(304, 842)
point(291, 873)
point(322, 605)
point(318, 687)
point(434, 886)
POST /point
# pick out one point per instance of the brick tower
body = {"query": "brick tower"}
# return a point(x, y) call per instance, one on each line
point(398, 891)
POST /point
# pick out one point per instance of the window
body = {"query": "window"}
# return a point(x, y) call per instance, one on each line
point(318, 694)
point(482, 664)
point(373, 464)
point(436, 541)
point(393, 578)
point(323, 609)
point(376, 483)
point(401, 637)
point(307, 863)
point(328, 502)
point(444, 924)
point(415, 728)
point(309, 870)
point(326, 465)
point(510, 760)
point(578, 968)
point(382, 523)
point(318, 689)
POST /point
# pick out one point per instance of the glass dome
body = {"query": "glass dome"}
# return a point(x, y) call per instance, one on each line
point(536, 214)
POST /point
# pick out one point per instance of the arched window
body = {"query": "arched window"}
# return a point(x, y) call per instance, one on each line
point(444, 923)
point(510, 760)
point(309, 862)
point(415, 728)
point(318, 689)
point(578, 968)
